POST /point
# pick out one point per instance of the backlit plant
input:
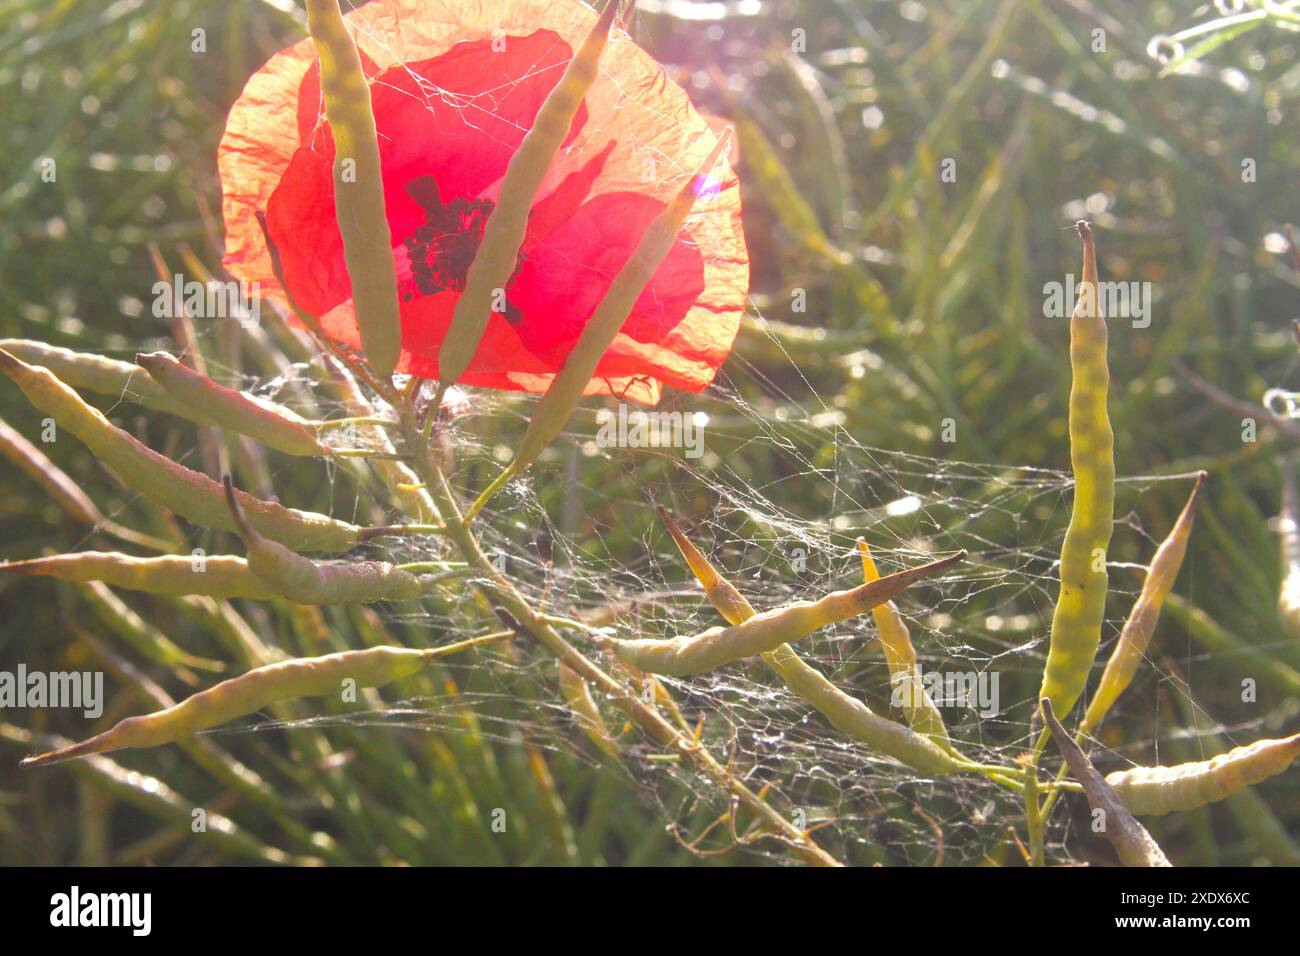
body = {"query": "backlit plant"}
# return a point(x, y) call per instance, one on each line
point(422, 247)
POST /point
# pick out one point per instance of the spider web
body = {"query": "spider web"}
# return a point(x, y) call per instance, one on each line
point(776, 502)
point(779, 514)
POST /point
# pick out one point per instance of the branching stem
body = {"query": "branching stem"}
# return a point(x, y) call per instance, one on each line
point(535, 626)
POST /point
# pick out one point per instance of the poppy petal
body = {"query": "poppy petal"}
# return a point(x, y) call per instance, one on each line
point(455, 86)
point(446, 132)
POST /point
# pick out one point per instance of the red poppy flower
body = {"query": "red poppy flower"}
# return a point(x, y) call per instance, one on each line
point(455, 85)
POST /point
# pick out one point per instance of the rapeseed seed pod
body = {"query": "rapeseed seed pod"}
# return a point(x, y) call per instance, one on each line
point(698, 653)
point(247, 694)
point(845, 713)
point(1130, 649)
point(300, 579)
point(900, 657)
point(65, 492)
point(358, 190)
point(1155, 791)
point(272, 425)
point(1134, 845)
point(188, 493)
point(503, 233)
point(96, 373)
point(1081, 604)
point(217, 576)
point(559, 400)
point(577, 694)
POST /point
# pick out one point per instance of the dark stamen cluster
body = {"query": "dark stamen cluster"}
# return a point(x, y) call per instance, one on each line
point(442, 249)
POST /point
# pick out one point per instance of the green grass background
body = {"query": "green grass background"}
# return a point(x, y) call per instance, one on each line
point(937, 284)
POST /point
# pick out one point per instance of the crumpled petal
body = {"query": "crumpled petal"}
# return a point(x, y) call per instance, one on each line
point(455, 84)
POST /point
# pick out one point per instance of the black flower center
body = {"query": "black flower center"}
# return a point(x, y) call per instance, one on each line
point(441, 250)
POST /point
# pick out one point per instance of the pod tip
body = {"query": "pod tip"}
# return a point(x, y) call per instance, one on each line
point(61, 754)
point(951, 559)
point(607, 15)
point(152, 359)
point(10, 362)
point(674, 529)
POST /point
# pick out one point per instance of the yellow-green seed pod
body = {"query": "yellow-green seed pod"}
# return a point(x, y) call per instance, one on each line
point(846, 713)
point(1131, 648)
point(577, 694)
point(96, 373)
point(1155, 791)
point(218, 576)
point(565, 391)
point(699, 653)
point(1288, 597)
point(273, 425)
point(188, 493)
point(300, 579)
point(124, 380)
point(904, 676)
point(1081, 604)
point(247, 694)
point(358, 187)
point(722, 594)
point(503, 234)
point(1252, 814)
point(1134, 845)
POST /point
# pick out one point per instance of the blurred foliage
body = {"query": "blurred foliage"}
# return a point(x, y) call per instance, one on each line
point(884, 294)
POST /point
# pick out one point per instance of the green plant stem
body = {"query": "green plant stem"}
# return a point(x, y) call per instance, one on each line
point(449, 575)
point(431, 413)
point(570, 623)
point(497, 484)
point(1050, 801)
point(1033, 818)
